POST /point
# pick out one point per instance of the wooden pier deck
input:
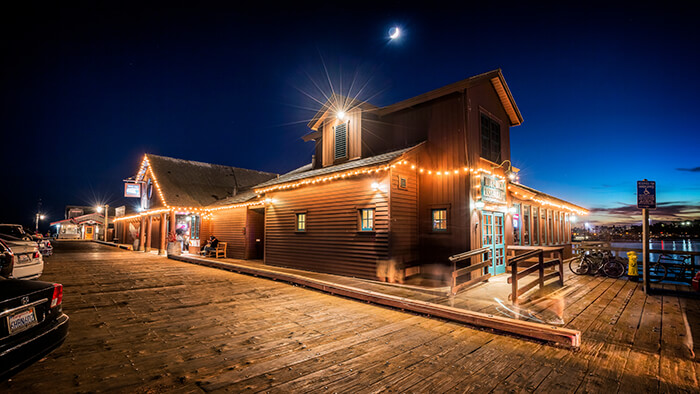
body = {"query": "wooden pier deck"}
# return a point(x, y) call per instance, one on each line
point(142, 323)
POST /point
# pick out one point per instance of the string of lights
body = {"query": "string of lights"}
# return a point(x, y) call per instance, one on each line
point(207, 212)
point(376, 169)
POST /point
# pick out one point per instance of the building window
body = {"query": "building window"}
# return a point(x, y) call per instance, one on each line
point(195, 225)
point(567, 228)
point(301, 222)
point(439, 219)
point(341, 141)
point(526, 225)
point(516, 224)
point(367, 219)
point(535, 226)
point(550, 227)
point(403, 183)
point(490, 139)
point(543, 227)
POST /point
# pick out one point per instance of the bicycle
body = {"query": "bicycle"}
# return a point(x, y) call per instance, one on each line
point(683, 271)
point(594, 262)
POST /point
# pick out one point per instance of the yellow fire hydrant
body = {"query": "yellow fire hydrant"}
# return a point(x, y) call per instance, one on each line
point(632, 267)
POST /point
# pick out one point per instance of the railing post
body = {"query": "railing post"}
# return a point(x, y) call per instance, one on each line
point(561, 271)
point(514, 273)
point(541, 268)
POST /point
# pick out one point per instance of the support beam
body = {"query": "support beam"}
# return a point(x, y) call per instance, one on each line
point(142, 234)
point(149, 233)
point(163, 235)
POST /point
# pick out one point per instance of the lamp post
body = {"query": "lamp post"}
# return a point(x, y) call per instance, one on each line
point(106, 223)
point(38, 216)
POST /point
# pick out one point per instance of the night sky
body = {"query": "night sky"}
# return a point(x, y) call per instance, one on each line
point(608, 95)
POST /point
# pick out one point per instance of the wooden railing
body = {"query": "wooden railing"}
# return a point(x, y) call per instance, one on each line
point(456, 273)
point(538, 267)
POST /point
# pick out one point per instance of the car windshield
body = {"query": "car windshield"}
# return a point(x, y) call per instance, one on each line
point(15, 231)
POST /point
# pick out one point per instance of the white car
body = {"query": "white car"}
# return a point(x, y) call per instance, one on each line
point(27, 262)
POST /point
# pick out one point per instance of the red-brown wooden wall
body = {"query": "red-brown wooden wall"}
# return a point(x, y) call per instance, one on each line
point(331, 242)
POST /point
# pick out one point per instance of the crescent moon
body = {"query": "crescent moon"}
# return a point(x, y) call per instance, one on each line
point(394, 32)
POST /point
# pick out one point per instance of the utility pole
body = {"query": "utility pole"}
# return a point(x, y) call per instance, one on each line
point(106, 221)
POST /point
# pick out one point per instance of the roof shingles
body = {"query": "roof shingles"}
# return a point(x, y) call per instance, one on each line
point(186, 183)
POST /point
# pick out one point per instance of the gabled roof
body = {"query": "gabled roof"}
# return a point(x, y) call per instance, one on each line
point(186, 183)
point(90, 217)
point(306, 171)
point(497, 81)
point(335, 103)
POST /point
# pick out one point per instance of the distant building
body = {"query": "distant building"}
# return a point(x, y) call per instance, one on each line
point(81, 222)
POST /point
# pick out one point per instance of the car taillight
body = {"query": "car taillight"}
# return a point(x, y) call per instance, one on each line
point(37, 255)
point(48, 244)
point(57, 297)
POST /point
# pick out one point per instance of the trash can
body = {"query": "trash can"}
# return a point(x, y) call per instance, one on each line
point(632, 266)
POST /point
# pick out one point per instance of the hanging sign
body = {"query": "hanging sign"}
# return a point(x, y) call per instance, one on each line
point(646, 194)
point(493, 189)
point(119, 211)
point(132, 190)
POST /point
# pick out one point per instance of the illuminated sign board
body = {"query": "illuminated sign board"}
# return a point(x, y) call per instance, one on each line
point(493, 189)
point(132, 190)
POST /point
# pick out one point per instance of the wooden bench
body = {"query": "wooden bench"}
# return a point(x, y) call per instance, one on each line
point(220, 251)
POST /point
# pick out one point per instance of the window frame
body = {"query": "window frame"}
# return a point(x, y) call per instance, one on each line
point(361, 228)
point(535, 219)
point(492, 121)
point(297, 215)
point(446, 220)
point(335, 142)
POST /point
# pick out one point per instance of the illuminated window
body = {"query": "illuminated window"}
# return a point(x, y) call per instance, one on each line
point(439, 219)
point(301, 222)
point(367, 219)
point(341, 141)
point(490, 139)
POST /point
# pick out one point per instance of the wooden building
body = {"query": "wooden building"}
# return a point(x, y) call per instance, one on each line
point(393, 188)
point(173, 196)
point(388, 190)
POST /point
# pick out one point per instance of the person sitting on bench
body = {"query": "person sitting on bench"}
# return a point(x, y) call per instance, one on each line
point(210, 246)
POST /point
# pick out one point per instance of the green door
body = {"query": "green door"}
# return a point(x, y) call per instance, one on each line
point(492, 235)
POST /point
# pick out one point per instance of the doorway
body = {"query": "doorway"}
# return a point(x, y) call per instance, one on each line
point(89, 232)
point(492, 236)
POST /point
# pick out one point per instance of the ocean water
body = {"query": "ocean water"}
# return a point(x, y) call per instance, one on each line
point(685, 245)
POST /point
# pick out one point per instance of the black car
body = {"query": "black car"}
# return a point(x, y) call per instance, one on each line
point(32, 322)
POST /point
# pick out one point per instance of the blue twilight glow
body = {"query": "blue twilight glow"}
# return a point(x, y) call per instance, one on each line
point(601, 107)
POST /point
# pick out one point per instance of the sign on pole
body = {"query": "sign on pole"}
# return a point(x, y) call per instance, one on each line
point(646, 194)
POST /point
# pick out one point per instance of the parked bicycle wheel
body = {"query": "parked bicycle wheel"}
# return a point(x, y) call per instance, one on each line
point(579, 266)
point(614, 268)
point(657, 272)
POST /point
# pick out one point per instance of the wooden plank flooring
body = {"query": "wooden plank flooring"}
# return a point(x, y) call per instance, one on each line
point(142, 323)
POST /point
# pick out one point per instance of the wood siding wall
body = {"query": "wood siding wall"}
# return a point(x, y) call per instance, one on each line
point(441, 123)
point(229, 225)
point(403, 241)
point(331, 242)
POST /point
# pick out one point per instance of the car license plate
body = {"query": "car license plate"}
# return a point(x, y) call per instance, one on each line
point(21, 321)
